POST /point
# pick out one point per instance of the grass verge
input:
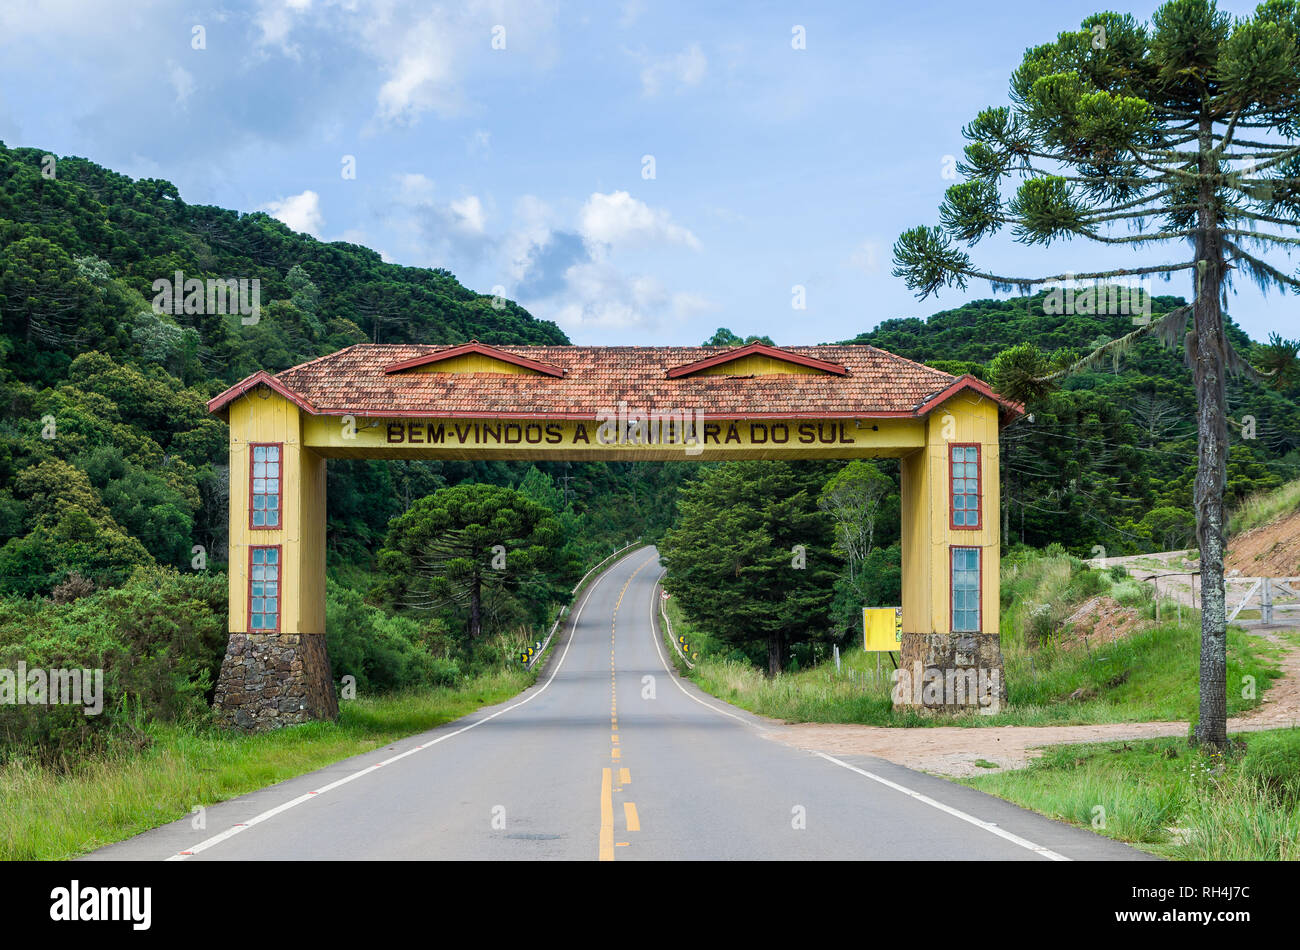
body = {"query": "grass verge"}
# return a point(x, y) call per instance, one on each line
point(1260, 509)
point(48, 815)
point(1053, 676)
point(1150, 676)
point(1168, 799)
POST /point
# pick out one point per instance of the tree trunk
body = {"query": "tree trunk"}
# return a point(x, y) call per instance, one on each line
point(1212, 463)
point(773, 654)
point(476, 608)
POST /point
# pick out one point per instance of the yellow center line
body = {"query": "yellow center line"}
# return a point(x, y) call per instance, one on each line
point(607, 843)
point(606, 817)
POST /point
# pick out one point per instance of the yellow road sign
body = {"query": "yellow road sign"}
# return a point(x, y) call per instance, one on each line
point(882, 628)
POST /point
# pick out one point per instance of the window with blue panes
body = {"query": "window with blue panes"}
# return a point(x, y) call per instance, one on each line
point(965, 590)
point(965, 478)
point(266, 486)
point(264, 589)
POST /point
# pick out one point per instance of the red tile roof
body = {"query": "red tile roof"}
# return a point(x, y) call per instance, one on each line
point(357, 381)
point(755, 349)
point(479, 349)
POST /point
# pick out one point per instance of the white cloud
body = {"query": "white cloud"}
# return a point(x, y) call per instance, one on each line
point(869, 256)
point(687, 68)
point(449, 233)
point(428, 53)
point(181, 81)
point(598, 296)
point(414, 188)
point(421, 79)
point(618, 219)
point(468, 214)
point(276, 19)
point(569, 274)
point(300, 212)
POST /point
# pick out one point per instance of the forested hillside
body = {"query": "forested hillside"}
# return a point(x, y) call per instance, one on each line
point(108, 457)
point(1109, 457)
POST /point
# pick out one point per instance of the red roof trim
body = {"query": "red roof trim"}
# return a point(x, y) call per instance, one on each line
point(260, 378)
point(592, 417)
point(967, 381)
point(482, 349)
point(760, 349)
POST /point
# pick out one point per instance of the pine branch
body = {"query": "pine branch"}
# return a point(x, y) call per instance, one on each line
point(1258, 236)
point(1010, 283)
point(1264, 273)
point(1168, 328)
point(1140, 213)
point(1268, 218)
point(1139, 238)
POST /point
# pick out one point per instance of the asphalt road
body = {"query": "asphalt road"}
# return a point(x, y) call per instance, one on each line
point(611, 756)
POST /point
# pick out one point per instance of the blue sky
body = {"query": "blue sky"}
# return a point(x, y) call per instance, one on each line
point(525, 167)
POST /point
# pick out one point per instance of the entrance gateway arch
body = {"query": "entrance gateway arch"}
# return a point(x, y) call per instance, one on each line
point(612, 403)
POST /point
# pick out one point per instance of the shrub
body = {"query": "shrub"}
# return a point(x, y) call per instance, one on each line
point(382, 651)
point(158, 639)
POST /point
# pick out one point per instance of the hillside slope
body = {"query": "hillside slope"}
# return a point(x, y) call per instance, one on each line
point(1268, 544)
point(83, 248)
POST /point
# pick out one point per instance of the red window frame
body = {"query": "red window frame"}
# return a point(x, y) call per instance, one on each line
point(978, 494)
point(952, 593)
point(279, 587)
point(279, 485)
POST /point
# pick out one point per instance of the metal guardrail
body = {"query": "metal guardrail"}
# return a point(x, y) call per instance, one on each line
point(663, 612)
point(578, 586)
point(564, 611)
point(547, 642)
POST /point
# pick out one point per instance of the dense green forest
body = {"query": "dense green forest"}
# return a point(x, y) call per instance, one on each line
point(1108, 458)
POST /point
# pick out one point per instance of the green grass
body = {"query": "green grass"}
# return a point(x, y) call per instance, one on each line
point(1150, 675)
point(45, 815)
point(1168, 799)
point(1265, 507)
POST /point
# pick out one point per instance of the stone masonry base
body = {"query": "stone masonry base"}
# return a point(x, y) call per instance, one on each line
point(950, 672)
point(269, 680)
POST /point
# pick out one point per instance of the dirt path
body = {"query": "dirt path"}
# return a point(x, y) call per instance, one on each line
point(953, 750)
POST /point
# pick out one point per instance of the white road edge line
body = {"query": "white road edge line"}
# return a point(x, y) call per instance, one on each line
point(658, 635)
point(955, 812)
point(925, 799)
point(264, 816)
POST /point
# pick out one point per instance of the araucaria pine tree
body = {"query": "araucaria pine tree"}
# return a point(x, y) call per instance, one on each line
point(1175, 136)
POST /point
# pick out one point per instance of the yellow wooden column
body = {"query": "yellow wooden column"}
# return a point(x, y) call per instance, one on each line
point(951, 652)
point(276, 671)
